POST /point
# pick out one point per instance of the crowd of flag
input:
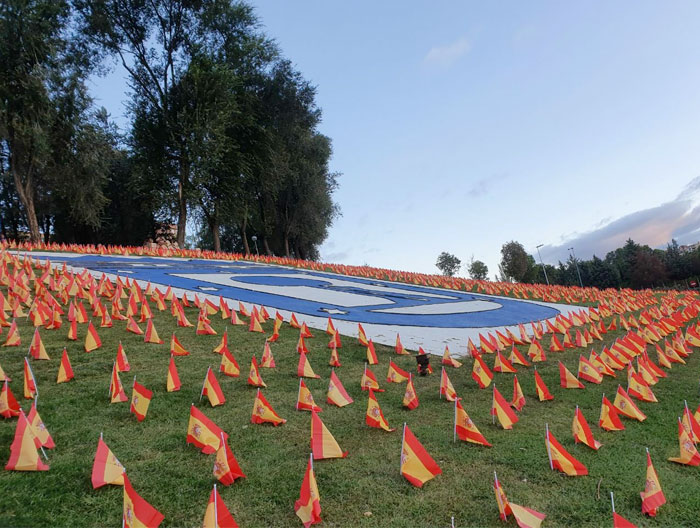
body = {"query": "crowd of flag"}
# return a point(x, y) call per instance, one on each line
point(46, 294)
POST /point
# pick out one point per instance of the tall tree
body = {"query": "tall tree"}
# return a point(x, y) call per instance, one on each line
point(478, 270)
point(514, 261)
point(448, 264)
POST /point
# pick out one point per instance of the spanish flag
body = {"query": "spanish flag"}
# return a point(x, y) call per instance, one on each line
point(374, 417)
point(292, 321)
point(446, 388)
point(464, 427)
point(140, 399)
point(36, 348)
point(637, 387)
point(176, 348)
point(30, 390)
point(223, 344)
point(137, 512)
point(229, 365)
point(305, 400)
point(336, 392)
point(369, 381)
point(323, 445)
point(8, 404)
point(518, 401)
point(304, 330)
point(23, 450)
point(448, 360)
point(582, 432)
point(330, 329)
point(116, 389)
point(226, 468)
point(122, 361)
point(43, 438)
point(555, 345)
point(242, 309)
point(561, 459)
point(481, 373)
point(203, 327)
point(254, 377)
point(399, 348)
point(525, 517)
point(536, 353)
point(361, 336)
point(65, 371)
point(263, 412)
point(173, 381)
point(371, 354)
point(625, 405)
point(202, 432)
point(501, 364)
point(133, 327)
point(254, 325)
point(301, 346)
point(3, 376)
point(335, 358)
point(652, 496)
point(267, 360)
point(410, 398)
point(417, 466)
point(152, 334)
point(609, 419)
point(92, 340)
point(396, 374)
point(500, 409)
point(689, 455)
point(212, 390)
point(72, 331)
point(217, 514)
point(106, 469)
point(335, 341)
point(304, 369)
point(308, 506)
point(517, 358)
point(588, 371)
point(13, 338)
point(567, 380)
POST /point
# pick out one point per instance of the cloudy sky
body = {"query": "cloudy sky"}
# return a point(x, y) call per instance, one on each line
point(458, 126)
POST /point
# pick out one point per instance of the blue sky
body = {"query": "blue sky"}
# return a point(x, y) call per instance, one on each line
point(458, 126)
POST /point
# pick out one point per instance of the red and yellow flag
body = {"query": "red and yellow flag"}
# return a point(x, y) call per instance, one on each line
point(369, 381)
point(652, 496)
point(446, 388)
point(122, 361)
point(173, 381)
point(30, 389)
point(202, 432)
point(337, 394)
point(106, 469)
point(501, 409)
point(609, 419)
point(229, 365)
point(323, 444)
point(267, 360)
point(36, 347)
point(223, 344)
point(65, 371)
point(410, 397)
point(561, 459)
point(371, 354)
point(501, 364)
point(9, 407)
point(536, 353)
point(417, 466)
point(464, 427)
point(152, 334)
point(517, 358)
point(587, 371)
point(567, 380)
point(396, 374)
point(116, 389)
point(254, 377)
point(582, 432)
point(624, 404)
point(481, 373)
point(304, 369)
point(518, 401)
point(308, 506)
point(399, 348)
point(335, 358)
point(133, 327)
point(226, 468)
point(637, 387)
point(542, 391)
point(176, 348)
point(92, 340)
point(689, 455)
point(140, 400)
point(217, 515)
point(305, 400)
point(23, 450)
point(448, 360)
point(137, 513)
point(13, 337)
point(41, 434)
point(524, 517)
point(212, 390)
point(361, 336)
point(374, 417)
point(263, 412)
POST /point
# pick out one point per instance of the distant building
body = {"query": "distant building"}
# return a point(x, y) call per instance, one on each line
point(689, 248)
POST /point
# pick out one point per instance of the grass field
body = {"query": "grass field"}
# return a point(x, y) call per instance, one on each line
point(364, 489)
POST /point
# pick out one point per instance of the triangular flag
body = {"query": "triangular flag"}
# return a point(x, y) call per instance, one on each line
point(336, 392)
point(464, 427)
point(689, 455)
point(173, 381)
point(446, 388)
point(267, 360)
point(8, 404)
point(229, 365)
point(652, 496)
point(396, 374)
point(106, 469)
point(625, 405)
point(202, 432)
point(561, 459)
point(417, 466)
point(609, 419)
point(410, 398)
point(254, 377)
point(140, 400)
point(137, 512)
point(92, 340)
point(116, 389)
point(323, 445)
point(369, 381)
point(176, 348)
point(501, 409)
point(308, 506)
point(43, 438)
point(305, 400)
point(23, 450)
point(226, 468)
point(374, 417)
point(518, 401)
point(36, 348)
point(542, 391)
point(212, 390)
point(263, 412)
point(217, 514)
point(122, 361)
point(304, 369)
point(582, 432)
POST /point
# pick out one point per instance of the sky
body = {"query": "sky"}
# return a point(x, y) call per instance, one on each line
point(460, 126)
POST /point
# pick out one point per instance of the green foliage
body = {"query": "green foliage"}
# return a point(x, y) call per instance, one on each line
point(514, 261)
point(448, 264)
point(478, 270)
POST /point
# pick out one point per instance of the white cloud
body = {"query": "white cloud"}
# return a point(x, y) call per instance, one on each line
point(446, 56)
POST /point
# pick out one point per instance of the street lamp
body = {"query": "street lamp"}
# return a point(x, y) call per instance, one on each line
point(543, 268)
point(577, 270)
point(255, 241)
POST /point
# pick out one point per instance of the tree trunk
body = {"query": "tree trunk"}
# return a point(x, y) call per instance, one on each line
point(267, 247)
point(26, 196)
point(214, 226)
point(286, 245)
point(182, 205)
point(244, 236)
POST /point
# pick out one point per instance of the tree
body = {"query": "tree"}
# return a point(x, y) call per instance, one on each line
point(478, 270)
point(514, 261)
point(448, 264)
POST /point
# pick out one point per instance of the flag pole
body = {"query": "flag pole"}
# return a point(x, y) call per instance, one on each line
point(298, 395)
point(216, 513)
point(612, 499)
point(403, 439)
point(455, 431)
point(442, 376)
point(575, 420)
point(493, 414)
point(549, 449)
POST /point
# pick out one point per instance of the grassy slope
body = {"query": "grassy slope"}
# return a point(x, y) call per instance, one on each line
point(177, 478)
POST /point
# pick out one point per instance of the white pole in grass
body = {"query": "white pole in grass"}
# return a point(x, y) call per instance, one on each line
point(452, 522)
point(498, 495)
point(403, 439)
point(576, 419)
point(455, 431)
point(298, 395)
point(612, 499)
point(216, 513)
point(311, 460)
point(549, 449)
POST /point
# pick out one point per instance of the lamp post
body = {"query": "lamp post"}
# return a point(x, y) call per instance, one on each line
point(543, 268)
point(255, 241)
point(580, 282)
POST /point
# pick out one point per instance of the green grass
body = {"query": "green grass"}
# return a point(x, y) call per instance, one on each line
point(177, 479)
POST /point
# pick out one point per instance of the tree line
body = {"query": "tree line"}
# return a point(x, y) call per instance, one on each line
point(630, 266)
point(223, 130)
